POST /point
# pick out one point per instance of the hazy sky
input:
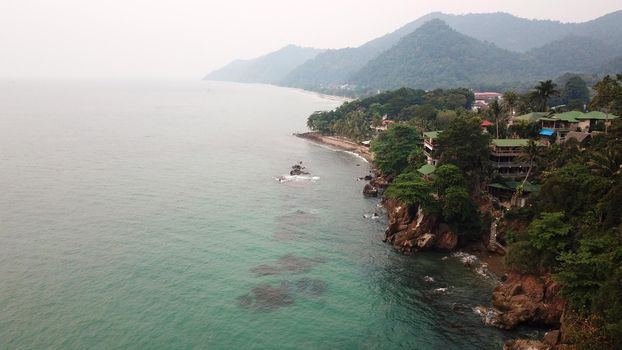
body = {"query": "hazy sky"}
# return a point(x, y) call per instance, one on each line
point(188, 38)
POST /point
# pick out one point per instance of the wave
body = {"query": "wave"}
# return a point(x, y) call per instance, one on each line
point(290, 178)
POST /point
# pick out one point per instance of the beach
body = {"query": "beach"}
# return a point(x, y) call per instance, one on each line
point(339, 143)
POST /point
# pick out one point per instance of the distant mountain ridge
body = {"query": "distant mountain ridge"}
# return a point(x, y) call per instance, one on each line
point(269, 69)
point(529, 49)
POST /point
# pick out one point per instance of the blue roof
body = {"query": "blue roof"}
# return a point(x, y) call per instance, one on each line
point(547, 132)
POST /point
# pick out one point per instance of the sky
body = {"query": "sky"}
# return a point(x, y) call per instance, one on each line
point(189, 38)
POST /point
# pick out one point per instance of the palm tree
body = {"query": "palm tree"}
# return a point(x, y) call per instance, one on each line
point(510, 100)
point(495, 109)
point(532, 153)
point(544, 91)
point(606, 162)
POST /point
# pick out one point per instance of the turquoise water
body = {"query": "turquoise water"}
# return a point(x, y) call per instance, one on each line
point(146, 215)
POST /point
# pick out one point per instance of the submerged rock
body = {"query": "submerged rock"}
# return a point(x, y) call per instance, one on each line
point(267, 297)
point(311, 286)
point(288, 263)
point(296, 264)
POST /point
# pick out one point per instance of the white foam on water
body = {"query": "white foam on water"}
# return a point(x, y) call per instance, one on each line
point(290, 178)
point(357, 155)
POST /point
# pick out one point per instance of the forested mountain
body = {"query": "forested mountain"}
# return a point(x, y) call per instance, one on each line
point(436, 55)
point(495, 50)
point(572, 53)
point(270, 69)
point(335, 67)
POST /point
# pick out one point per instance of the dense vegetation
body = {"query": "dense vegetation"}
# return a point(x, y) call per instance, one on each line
point(435, 55)
point(572, 229)
point(576, 234)
point(429, 110)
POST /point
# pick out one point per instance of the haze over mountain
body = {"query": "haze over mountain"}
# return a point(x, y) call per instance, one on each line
point(270, 68)
point(475, 50)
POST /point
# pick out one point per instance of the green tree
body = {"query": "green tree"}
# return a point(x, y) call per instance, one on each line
point(543, 92)
point(576, 94)
point(495, 110)
point(608, 95)
point(393, 147)
point(412, 190)
point(548, 234)
point(464, 145)
point(510, 101)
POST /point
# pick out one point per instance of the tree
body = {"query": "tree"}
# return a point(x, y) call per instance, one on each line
point(447, 176)
point(576, 94)
point(608, 95)
point(495, 110)
point(510, 100)
point(464, 145)
point(532, 152)
point(393, 148)
point(544, 91)
point(412, 190)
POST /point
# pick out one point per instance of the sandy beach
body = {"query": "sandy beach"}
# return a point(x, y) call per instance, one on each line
point(339, 143)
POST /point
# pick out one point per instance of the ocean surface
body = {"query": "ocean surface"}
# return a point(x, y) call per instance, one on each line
point(148, 215)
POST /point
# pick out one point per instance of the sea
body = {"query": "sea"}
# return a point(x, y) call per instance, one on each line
point(160, 215)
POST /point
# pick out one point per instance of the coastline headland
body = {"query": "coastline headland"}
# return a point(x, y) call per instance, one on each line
point(340, 143)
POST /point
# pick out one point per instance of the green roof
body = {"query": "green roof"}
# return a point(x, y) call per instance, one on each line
point(510, 142)
point(597, 116)
point(513, 185)
point(531, 117)
point(427, 169)
point(576, 116)
point(570, 117)
point(431, 134)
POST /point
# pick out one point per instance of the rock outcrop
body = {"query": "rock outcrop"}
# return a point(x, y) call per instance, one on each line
point(526, 299)
point(409, 232)
point(525, 344)
point(370, 191)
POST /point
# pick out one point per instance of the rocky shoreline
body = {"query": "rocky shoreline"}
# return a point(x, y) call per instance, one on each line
point(518, 300)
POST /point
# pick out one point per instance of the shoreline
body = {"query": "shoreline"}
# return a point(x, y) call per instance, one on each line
point(493, 260)
point(310, 92)
point(339, 143)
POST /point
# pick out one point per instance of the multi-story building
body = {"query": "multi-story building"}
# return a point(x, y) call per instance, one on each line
point(507, 157)
point(430, 146)
point(558, 126)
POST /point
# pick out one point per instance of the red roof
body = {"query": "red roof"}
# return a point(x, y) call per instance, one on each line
point(486, 123)
point(487, 95)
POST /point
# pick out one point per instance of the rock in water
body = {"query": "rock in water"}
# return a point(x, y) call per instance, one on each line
point(370, 191)
point(527, 299)
point(525, 344)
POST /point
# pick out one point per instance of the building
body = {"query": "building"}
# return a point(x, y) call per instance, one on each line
point(384, 126)
point(430, 146)
point(427, 170)
point(506, 157)
point(483, 99)
point(508, 192)
point(557, 126)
